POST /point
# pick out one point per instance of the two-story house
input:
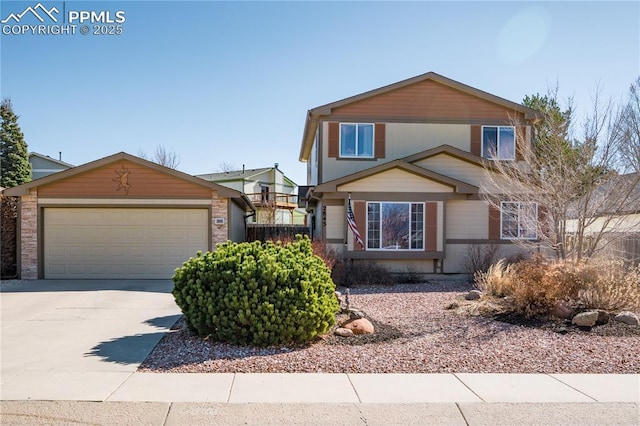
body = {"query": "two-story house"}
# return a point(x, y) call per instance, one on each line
point(272, 193)
point(412, 157)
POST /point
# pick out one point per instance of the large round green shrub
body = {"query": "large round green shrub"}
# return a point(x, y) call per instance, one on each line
point(257, 293)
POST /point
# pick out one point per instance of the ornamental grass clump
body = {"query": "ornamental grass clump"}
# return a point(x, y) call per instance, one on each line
point(259, 294)
point(534, 287)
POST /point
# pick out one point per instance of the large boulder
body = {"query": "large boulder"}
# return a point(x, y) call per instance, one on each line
point(473, 295)
point(343, 332)
point(355, 313)
point(360, 326)
point(603, 317)
point(585, 319)
point(561, 311)
point(627, 318)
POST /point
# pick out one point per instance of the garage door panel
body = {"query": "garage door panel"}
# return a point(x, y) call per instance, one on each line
point(121, 242)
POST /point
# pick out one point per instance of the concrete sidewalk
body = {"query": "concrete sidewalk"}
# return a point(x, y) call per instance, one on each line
point(186, 413)
point(322, 388)
point(325, 399)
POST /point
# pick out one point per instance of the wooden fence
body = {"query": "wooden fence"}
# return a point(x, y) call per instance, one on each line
point(267, 232)
point(624, 247)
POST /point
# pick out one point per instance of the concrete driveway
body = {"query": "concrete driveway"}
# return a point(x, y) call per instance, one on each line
point(79, 339)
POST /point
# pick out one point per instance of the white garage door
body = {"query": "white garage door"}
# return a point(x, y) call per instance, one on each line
point(139, 243)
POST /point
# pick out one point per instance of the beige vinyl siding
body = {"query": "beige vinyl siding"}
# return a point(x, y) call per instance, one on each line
point(455, 259)
point(405, 139)
point(454, 167)
point(395, 180)
point(402, 139)
point(335, 222)
point(467, 219)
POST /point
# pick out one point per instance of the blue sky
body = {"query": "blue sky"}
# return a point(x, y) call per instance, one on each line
point(231, 81)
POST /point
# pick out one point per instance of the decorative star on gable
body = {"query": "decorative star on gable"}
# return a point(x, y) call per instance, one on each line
point(123, 179)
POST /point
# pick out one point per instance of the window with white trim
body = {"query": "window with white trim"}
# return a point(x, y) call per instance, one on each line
point(356, 140)
point(395, 226)
point(518, 220)
point(499, 142)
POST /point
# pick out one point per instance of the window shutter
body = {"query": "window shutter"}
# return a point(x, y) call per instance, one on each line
point(476, 140)
point(380, 136)
point(334, 140)
point(359, 212)
point(521, 140)
point(494, 223)
point(431, 227)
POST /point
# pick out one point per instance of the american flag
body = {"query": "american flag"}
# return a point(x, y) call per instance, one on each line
point(351, 221)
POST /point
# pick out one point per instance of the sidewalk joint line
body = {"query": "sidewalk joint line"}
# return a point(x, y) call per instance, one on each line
point(362, 416)
point(166, 416)
point(354, 388)
point(119, 386)
point(462, 414)
point(233, 381)
point(467, 386)
point(569, 386)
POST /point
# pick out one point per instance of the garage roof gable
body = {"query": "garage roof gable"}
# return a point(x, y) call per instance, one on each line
point(120, 158)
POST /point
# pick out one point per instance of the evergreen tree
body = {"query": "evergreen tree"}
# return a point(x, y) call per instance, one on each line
point(14, 155)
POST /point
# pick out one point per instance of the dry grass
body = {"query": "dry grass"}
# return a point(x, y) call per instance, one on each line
point(534, 286)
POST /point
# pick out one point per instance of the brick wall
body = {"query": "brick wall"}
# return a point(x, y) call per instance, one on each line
point(219, 208)
point(29, 235)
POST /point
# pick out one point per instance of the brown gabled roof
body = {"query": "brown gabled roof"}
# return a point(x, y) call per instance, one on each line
point(316, 114)
point(221, 190)
point(457, 185)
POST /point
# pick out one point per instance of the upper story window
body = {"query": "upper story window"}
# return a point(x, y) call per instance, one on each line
point(518, 220)
point(499, 142)
point(356, 140)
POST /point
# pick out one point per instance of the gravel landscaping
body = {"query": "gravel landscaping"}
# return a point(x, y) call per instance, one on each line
point(416, 333)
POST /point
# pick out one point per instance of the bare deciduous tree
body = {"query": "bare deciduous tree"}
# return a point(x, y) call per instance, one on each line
point(629, 129)
point(566, 192)
point(226, 167)
point(162, 156)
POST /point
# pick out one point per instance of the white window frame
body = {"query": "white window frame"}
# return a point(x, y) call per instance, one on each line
point(355, 155)
point(410, 203)
point(497, 157)
point(521, 230)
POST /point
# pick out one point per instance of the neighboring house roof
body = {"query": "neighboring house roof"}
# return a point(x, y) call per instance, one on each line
point(50, 159)
point(316, 114)
point(457, 185)
point(628, 193)
point(221, 190)
point(233, 175)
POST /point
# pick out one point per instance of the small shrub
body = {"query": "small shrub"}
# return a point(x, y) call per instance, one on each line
point(411, 276)
point(480, 257)
point(532, 293)
point(613, 287)
point(327, 255)
point(365, 273)
point(257, 293)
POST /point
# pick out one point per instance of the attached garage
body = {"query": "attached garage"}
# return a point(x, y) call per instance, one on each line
point(121, 242)
point(91, 223)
